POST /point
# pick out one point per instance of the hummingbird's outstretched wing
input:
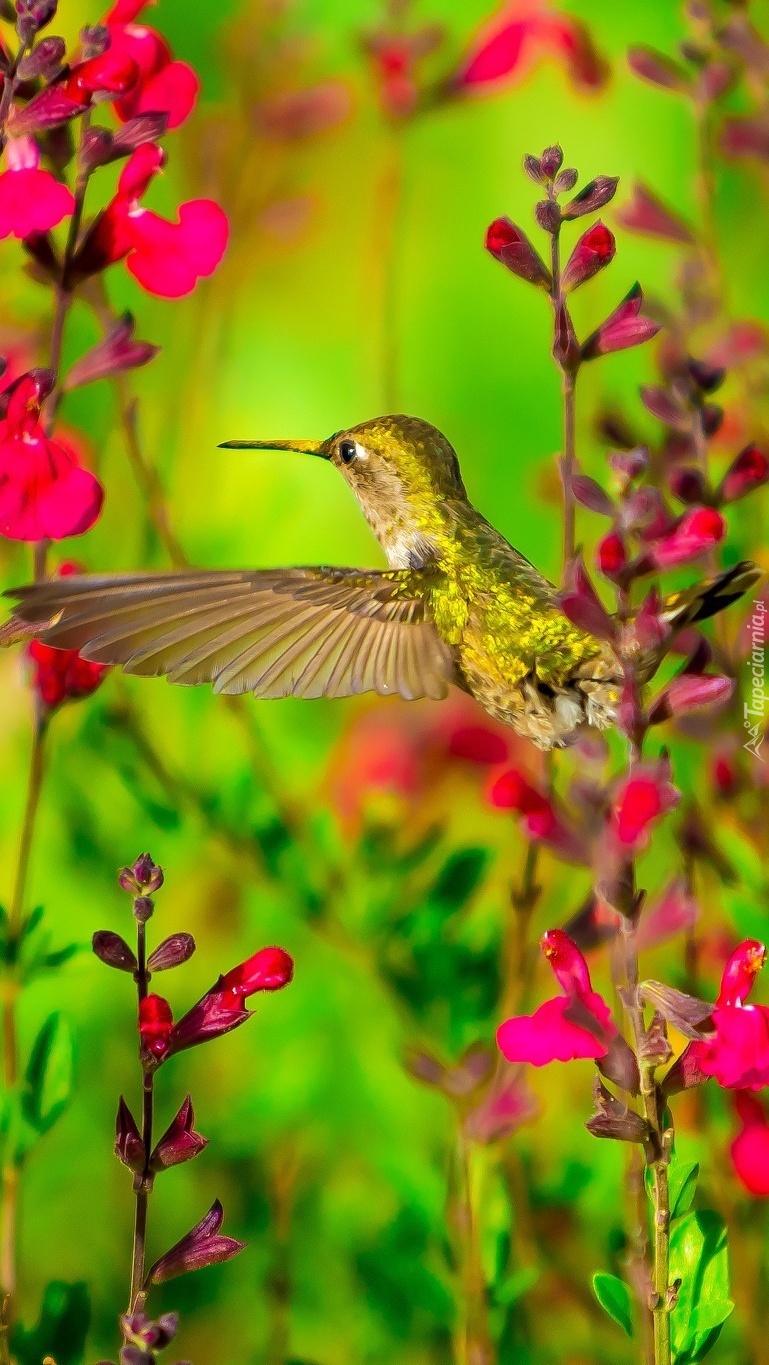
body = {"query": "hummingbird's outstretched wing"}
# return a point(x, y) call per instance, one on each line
point(276, 633)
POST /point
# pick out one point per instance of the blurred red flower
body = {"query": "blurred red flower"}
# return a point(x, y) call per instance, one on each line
point(522, 33)
point(44, 491)
point(643, 798)
point(31, 200)
point(577, 1024)
point(750, 1148)
point(166, 258)
point(164, 85)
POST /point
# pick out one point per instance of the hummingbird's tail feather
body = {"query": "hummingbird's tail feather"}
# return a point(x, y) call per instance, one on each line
point(707, 599)
point(277, 633)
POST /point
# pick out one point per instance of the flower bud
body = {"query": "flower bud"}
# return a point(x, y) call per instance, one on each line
point(687, 483)
point(594, 250)
point(613, 1119)
point(144, 878)
point(611, 556)
point(749, 471)
point(689, 692)
point(508, 244)
point(114, 951)
point(115, 354)
point(548, 216)
point(565, 180)
point(179, 1142)
point(172, 952)
point(202, 1246)
point(707, 377)
point(32, 15)
point(565, 345)
point(657, 68)
point(623, 328)
point(533, 168)
point(551, 161)
point(581, 603)
point(143, 908)
point(646, 214)
point(592, 196)
point(590, 494)
point(129, 1147)
point(43, 61)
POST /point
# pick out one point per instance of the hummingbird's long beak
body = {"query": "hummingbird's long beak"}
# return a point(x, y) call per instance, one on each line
point(301, 447)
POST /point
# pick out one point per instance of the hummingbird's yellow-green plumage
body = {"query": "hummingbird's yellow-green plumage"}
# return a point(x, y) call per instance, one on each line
point(457, 604)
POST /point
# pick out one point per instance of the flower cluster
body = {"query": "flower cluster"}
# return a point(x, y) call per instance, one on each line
point(220, 1010)
point(507, 46)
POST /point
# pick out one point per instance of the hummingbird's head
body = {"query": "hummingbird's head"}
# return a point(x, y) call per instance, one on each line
point(401, 470)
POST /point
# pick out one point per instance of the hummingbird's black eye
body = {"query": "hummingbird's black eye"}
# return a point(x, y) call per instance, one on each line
point(347, 451)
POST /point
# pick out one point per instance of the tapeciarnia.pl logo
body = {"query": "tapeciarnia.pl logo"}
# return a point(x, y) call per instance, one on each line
point(754, 709)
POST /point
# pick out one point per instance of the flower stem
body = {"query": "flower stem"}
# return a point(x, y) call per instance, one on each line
point(567, 468)
point(143, 1182)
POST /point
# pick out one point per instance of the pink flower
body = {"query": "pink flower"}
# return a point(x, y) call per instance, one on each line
point(642, 799)
point(164, 85)
point(522, 33)
point(750, 1148)
point(577, 1024)
point(31, 200)
point(542, 819)
point(737, 1056)
point(697, 531)
point(45, 494)
point(625, 327)
point(166, 258)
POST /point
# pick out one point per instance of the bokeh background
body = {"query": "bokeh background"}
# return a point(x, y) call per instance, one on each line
point(347, 832)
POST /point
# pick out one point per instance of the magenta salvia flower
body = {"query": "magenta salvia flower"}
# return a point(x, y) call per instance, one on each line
point(625, 327)
point(699, 530)
point(641, 800)
point(223, 1008)
point(31, 199)
point(750, 1149)
point(203, 1246)
point(737, 1056)
point(577, 1024)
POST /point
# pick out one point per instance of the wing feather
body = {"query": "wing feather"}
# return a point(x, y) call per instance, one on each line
point(300, 632)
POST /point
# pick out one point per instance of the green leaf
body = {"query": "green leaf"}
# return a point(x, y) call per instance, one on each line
point(682, 1182)
point(61, 1328)
point(48, 1078)
point(512, 1289)
point(699, 1259)
point(614, 1297)
point(459, 877)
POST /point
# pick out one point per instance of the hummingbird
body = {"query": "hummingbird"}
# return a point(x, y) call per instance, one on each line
point(456, 605)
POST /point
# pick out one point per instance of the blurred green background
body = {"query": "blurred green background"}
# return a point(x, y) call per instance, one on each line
point(329, 1158)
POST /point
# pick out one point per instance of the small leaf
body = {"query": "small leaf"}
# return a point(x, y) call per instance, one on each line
point(682, 1182)
point(48, 1078)
point(699, 1259)
point(459, 877)
point(614, 1297)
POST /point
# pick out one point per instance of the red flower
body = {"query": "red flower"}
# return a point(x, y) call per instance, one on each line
point(642, 799)
point(737, 1056)
point(222, 1008)
point(611, 555)
point(595, 249)
point(697, 531)
point(748, 471)
point(44, 492)
point(155, 1025)
point(166, 258)
point(61, 675)
point(31, 200)
point(478, 744)
point(542, 820)
point(575, 1025)
point(109, 74)
point(522, 33)
point(750, 1148)
point(163, 85)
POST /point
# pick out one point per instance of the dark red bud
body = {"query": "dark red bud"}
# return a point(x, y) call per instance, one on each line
point(548, 216)
point(551, 161)
point(202, 1246)
point(687, 483)
point(129, 1147)
point(611, 556)
point(581, 603)
point(180, 1142)
point(565, 180)
point(592, 197)
point(646, 213)
point(712, 417)
point(749, 471)
point(565, 345)
point(144, 878)
point(114, 951)
point(43, 61)
point(707, 377)
point(172, 952)
point(533, 168)
point(115, 354)
point(155, 1025)
point(625, 327)
point(590, 494)
point(665, 406)
point(657, 68)
point(508, 244)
